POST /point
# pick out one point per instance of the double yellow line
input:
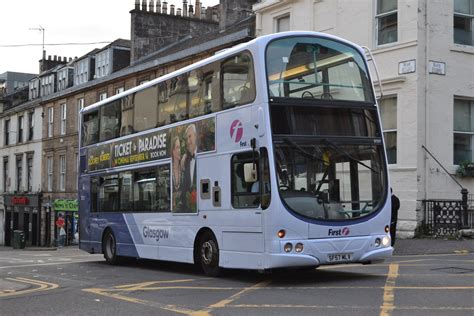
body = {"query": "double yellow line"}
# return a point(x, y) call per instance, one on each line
point(41, 286)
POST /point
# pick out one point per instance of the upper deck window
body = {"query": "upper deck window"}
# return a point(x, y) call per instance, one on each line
point(312, 67)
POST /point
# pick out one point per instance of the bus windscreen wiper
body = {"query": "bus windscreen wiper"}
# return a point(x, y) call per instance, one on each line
point(345, 153)
point(302, 150)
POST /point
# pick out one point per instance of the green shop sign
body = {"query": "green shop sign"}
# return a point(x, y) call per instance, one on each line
point(65, 205)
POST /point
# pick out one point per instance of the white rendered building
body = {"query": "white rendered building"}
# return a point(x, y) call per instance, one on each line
point(424, 50)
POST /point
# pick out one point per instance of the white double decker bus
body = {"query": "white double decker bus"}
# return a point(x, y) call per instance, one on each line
point(267, 155)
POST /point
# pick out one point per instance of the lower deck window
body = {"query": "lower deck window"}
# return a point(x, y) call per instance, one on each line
point(142, 190)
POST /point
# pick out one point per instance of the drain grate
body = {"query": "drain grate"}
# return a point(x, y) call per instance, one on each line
point(453, 270)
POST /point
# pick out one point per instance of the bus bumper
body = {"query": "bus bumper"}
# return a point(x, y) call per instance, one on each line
point(288, 260)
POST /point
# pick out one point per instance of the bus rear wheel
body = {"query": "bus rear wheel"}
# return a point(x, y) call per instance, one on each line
point(209, 255)
point(110, 248)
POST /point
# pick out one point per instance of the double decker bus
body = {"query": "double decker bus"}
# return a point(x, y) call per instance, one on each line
point(266, 155)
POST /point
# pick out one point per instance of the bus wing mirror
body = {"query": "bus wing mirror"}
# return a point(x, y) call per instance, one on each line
point(250, 172)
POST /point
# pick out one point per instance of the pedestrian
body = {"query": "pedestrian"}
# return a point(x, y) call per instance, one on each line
point(62, 236)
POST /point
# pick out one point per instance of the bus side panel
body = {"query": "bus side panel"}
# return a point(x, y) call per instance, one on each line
point(118, 225)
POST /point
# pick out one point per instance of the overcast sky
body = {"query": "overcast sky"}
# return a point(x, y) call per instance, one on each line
point(64, 21)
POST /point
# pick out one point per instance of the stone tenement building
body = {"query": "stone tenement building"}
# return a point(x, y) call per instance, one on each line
point(163, 39)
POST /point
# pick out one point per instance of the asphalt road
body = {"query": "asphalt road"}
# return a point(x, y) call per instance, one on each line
point(71, 282)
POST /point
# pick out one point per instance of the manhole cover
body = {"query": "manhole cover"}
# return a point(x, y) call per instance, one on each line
point(453, 270)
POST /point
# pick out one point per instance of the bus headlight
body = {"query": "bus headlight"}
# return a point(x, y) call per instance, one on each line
point(288, 247)
point(386, 241)
point(377, 242)
point(299, 247)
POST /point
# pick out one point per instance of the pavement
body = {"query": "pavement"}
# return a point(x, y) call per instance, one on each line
point(418, 246)
point(430, 246)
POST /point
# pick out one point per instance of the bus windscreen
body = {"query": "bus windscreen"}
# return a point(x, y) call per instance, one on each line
point(316, 68)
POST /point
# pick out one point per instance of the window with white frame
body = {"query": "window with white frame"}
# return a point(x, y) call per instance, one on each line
point(29, 175)
point(34, 89)
point(80, 106)
point(6, 179)
point(81, 73)
point(6, 132)
point(19, 173)
point(47, 83)
point(31, 125)
point(20, 128)
point(463, 130)
point(62, 172)
point(119, 90)
point(386, 21)
point(102, 96)
point(49, 168)
point(63, 118)
point(388, 111)
point(76, 169)
point(62, 79)
point(282, 24)
point(464, 22)
point(102, 64)
point(50, 121)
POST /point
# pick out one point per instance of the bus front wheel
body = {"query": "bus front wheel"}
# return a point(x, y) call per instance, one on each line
point(110, 248)
point(209, 255)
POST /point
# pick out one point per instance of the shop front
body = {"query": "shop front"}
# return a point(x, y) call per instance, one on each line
point(66, 222)
point(22, 213)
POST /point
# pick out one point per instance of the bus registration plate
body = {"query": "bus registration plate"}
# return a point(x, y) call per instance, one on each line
point(340, 257)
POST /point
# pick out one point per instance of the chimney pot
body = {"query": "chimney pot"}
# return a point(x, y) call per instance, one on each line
point(158, 6)
point(143, 5)
point(172, 9)
point(178, 12)
point(165, 7)
point(185, 8)
point(151, 6)
point(197, 7)
point(137, 4)
point(55, 58)
point(190, 10)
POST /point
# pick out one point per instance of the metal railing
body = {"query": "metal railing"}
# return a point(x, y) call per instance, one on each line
point(444, 218)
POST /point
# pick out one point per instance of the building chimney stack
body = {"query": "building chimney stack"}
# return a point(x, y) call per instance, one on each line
point(151, 6)
point(137, 4)
point(172, 9)
point(165, 7)
point(178, 12)
point(143, 5)
point(190, 11)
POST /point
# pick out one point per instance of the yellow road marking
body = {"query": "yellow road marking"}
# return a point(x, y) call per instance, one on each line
point(42, 286)
point(388, 293)
point(168, 307)
point(226, 301)
point(143, 284)
point(461, 251)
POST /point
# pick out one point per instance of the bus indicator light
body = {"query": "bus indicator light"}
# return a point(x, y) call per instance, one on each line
point(281, 233)
point(387, 229)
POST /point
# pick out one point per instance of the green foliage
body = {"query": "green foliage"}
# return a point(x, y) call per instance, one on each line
point(465, 169)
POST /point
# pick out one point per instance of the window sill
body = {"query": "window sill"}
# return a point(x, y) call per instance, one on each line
point(462, 48)
point(393, 46)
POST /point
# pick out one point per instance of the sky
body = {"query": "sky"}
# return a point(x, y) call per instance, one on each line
point(64, 21)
